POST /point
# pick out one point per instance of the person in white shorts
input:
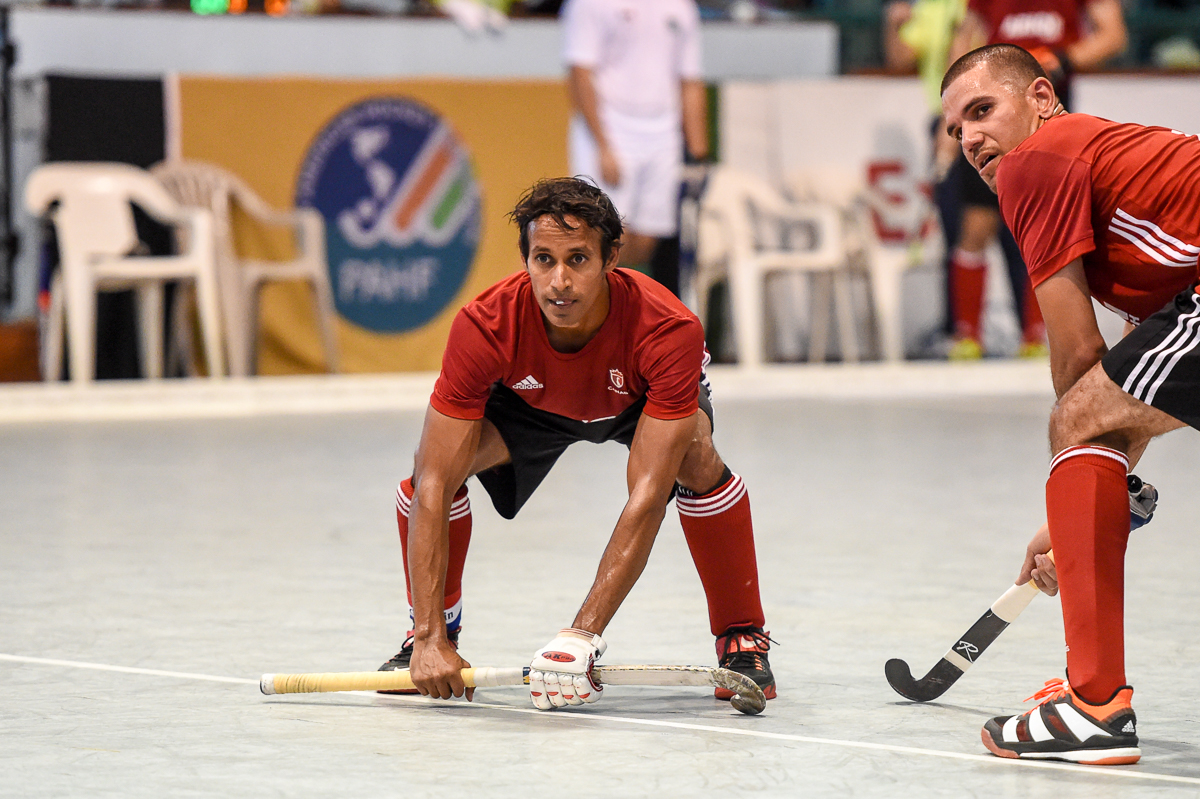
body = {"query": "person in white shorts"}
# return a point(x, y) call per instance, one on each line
point(635, 83)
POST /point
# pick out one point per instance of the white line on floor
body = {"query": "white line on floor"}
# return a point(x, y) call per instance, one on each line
point(127, 669)
point(990, 760)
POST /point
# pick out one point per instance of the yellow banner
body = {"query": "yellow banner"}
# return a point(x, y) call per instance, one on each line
point(414, 178)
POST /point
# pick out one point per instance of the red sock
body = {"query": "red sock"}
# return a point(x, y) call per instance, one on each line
point(1087, 507)
point(460, 539)
point(1034, 329)
point(720, 536)
point(968, 276)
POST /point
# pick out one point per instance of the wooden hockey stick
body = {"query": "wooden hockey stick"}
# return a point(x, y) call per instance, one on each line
point(748, 696)
point(966, 650)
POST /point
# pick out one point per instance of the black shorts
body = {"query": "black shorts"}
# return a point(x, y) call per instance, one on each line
point(1159, 361)
point(536, 439)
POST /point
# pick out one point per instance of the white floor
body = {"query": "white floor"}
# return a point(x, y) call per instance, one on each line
point(164, 546)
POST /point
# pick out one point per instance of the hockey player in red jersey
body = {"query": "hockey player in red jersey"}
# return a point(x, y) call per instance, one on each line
point(1106, 211)
point(570, 349)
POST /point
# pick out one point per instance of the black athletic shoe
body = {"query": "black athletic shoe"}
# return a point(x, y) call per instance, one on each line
point(1064, 726)
point(744, 650)
point(401, 659)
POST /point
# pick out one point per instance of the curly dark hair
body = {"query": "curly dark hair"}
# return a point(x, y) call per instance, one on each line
point(559, 198)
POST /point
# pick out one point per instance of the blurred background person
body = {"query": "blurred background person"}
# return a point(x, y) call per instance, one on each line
point(917, 38)
point(638, 100)
point(1065, 36)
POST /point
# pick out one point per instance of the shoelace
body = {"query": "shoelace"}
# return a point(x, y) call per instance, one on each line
point(734, 635)
point(1052, 690)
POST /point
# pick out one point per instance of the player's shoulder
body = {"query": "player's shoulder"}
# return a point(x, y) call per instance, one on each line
point(503, 292)
point(653, 314)
point(1066, 134)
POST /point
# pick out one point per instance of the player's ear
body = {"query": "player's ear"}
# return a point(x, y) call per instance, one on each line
point(1045, 100)
point(614, 256)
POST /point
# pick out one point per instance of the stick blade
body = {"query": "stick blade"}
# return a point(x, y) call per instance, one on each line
point(930, 687)
point(748, 697)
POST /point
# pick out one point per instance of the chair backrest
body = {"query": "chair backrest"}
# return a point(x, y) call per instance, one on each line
point(200, 184)
point(94, 217)
point(756, 216)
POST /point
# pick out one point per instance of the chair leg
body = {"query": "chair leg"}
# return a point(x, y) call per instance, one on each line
point(819, 304)
point(746, 293)
point(80, 303)
point(150, 327)
point(52, 345)
point(233, 313)
point(208, 307)
point(181, 344)
point(327, 321)
point(251, 331)
point(847, 326)
point(886, 276)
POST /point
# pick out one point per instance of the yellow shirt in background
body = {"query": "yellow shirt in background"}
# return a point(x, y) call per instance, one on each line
point(929, 32)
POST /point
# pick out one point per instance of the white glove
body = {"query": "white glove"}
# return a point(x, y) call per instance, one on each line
point(561, 671)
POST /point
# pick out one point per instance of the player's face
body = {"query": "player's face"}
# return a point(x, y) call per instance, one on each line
point(568, 274)
point(989, 117)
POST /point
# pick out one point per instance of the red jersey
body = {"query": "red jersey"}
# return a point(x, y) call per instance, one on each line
point(649, 345)
point(1124, 197)
point(1031, 23)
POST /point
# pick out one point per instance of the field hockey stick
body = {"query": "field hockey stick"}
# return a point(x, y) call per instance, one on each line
point(748, 697)
point(966, 650)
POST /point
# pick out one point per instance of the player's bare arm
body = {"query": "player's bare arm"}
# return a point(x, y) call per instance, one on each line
point(1076, 344)
point(450, 451)
point(1106, 37)
point(655, 458)
point(971, 33)
point(694, 96)
point(582, 85)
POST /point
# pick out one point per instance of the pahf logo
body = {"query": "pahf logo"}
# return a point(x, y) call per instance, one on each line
point(401, 208)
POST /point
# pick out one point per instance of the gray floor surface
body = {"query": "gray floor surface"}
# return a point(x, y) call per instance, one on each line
point(228, 548)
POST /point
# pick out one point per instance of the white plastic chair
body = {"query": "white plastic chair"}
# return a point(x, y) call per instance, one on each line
point(739, 240)
point(97, 238)
point(900, 231)
point(202, 185)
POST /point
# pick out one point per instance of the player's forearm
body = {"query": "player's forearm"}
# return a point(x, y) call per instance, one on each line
point(585, 100)
point(695, 118)
point(622, 564)
point(970, 34)
point(428, 557)
point(1107, 37)
point(1091, 53)
point(1066, 368)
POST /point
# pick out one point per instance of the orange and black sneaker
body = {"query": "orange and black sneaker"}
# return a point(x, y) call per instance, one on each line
point(403, 658)
point(744, 650)
point(1064, 726)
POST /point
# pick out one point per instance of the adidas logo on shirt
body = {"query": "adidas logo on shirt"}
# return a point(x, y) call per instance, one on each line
point(528, 384)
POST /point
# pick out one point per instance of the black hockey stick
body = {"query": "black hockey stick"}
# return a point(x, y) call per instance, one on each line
point(965, 651)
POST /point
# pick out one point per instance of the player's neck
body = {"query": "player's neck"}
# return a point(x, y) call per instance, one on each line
point(573, 338)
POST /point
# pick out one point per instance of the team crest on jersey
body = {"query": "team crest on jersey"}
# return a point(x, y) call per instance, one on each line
point(402, 211)
point(617, 380)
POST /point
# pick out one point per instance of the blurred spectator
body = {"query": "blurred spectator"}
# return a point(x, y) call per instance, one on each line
point(917, 37)
point(1065, 36)
point(635, 83)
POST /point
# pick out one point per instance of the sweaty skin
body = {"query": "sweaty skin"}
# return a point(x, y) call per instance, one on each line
point(569, 279)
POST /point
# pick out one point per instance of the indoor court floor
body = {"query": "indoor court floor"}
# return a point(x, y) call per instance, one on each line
point(153, 569)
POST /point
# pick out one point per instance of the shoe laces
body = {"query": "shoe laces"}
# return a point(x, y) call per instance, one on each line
point(731, 641)
point(1053, 689)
